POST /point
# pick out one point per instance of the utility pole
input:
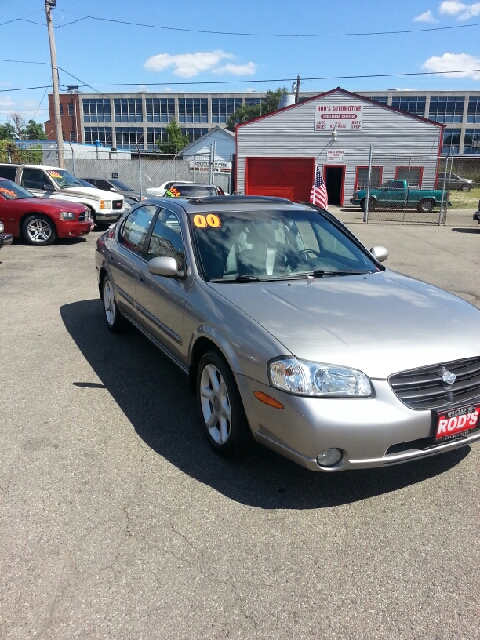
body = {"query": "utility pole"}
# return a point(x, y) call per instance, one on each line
point(297, 90)
point(49, 5)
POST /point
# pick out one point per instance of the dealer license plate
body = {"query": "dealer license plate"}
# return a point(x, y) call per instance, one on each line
point(452, 422)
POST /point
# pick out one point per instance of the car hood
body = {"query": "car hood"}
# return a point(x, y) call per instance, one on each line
point(92, 192)
point(379, 323)
point(53, 204)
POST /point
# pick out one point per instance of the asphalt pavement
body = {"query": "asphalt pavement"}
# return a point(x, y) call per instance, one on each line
point(117, 521)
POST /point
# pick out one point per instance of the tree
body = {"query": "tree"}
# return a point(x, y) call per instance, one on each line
point(7, 131)
point(247, 112)
point(34, 131)
point(176, 140)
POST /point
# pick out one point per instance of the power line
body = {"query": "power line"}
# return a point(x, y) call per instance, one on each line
point(244, 34)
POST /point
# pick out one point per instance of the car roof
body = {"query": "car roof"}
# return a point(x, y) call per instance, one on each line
point(226, 203)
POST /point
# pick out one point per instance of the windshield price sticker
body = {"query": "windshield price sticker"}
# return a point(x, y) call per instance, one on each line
point(451, 423)
point(55, 174)
point(210, 220)
point(8, 192)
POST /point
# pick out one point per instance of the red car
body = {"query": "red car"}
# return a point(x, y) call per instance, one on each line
point(40, 221)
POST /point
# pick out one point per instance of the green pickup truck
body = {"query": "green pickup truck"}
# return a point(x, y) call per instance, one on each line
point(396, 194)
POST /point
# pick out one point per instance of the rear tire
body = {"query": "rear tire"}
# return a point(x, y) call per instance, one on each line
point(220, 408)
point(39, 230)
point(425, 206)
point(114, 319)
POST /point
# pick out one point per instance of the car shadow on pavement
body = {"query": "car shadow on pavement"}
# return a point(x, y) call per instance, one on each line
point(466, 229)
point(155, 397)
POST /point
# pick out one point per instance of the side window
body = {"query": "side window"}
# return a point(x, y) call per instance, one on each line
point(136, 227)
point(166, 238)
point(33, 179)
point(8, 172)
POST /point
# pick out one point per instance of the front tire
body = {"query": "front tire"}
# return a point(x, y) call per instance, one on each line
point(220, 408)
point(39, 230)
point(371, 204)
point(466, 187)
point(114, 319)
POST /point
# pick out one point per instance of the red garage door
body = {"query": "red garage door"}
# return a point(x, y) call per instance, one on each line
point(290, 178)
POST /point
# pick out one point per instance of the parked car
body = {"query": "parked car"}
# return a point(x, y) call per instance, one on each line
point(112, 184)
point(191, 190)
point(160, 191)
point(55, 183)
point(292, 334)
point(397, 194)
point(5, 238)
point(454, 182)
point(39, 221)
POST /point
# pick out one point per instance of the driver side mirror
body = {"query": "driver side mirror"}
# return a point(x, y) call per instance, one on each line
point(379, 253)
point(48, 187)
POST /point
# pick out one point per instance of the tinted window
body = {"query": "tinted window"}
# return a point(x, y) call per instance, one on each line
point(194, 190)
point(33, 178)
point(166, 238)
point(136, 227)
point(8, 172)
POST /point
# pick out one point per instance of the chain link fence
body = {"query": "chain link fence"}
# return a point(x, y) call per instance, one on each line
point(440, 190)
point(140, 172)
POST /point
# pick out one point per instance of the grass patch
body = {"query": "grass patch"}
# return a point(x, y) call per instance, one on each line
point(465, 199)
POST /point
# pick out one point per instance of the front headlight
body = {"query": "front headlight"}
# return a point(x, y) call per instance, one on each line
point(67, 215)
point(355, 196)
point(318, 379)
point(105, 204)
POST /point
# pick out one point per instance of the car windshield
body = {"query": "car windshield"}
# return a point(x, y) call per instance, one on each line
point(194, 190)
point(274, 244)
point(63, 179)
point(11, 191)
point(119, 184)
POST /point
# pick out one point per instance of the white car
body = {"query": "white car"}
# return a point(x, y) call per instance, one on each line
point(160, 191)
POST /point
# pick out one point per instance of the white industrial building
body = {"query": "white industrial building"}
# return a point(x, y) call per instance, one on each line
point(277, 153)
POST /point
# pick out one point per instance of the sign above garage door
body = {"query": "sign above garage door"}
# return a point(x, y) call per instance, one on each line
point(342, 117)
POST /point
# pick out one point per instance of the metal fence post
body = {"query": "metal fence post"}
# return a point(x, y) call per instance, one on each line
point(443, 204)
point(367, 195)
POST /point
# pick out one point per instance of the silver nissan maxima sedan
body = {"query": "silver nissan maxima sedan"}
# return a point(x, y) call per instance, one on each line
point(292, 333)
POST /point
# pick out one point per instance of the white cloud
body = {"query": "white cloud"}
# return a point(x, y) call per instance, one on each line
point(425, 17)
point(461, 10)
point(187, 65)
point(467, 64)
point(248, 69)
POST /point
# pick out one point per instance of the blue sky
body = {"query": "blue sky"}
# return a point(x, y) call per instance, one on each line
point(323, 40)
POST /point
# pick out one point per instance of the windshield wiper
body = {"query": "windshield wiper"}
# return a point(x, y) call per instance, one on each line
point(319, 273)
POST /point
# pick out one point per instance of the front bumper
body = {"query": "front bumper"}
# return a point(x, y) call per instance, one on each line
point(363, 428)
point(73, 229)
point(109, 216)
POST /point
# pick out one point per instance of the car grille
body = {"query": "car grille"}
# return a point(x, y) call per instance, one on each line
point(82, 217)
point(424, 388)
point(117, 204)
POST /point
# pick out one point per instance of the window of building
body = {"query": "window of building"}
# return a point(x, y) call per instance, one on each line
point(451, 141)
point(361, 178)
point(193, 133)
point(129, 138)
point(128, 110)
point(410, 104)
point(413, 175)
point(71, 109)
point(471, 141)
point(446, 109)
point(252, 101)
point(380, 99)
point(154, 134)
point(223, 108)
point(192, 110)
point(473, 110)
point(61, 109)
point(73, 136)
point(97, 110)
point(160, 109)
point(103, 134)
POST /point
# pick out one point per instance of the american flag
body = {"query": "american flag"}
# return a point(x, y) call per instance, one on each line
point(319, 194)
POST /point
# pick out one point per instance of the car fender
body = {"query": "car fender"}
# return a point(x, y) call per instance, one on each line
point(221, 342)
